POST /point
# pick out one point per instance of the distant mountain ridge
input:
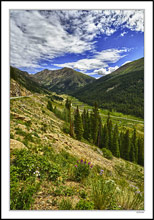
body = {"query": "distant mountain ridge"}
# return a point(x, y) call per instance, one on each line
point(122, 90)
point(65, 80)
point(21, 83)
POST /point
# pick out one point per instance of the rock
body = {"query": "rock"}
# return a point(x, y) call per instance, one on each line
point(99, 151)
point(14, 144)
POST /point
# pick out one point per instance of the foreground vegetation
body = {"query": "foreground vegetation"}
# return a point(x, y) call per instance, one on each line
point(49, 170)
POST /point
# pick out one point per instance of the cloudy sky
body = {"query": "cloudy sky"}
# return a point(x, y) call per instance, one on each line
point(95, 42)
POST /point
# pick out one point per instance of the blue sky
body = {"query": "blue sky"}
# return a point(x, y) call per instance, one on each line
point(95, 42)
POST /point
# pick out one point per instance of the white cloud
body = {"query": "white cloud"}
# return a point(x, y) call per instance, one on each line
point(37, 35)
point(123, 33)
point(99, 60)
point(106, 71)
point(125, 63)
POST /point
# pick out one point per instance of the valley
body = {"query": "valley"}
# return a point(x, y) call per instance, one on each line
point(43, 146)
point(67, 153)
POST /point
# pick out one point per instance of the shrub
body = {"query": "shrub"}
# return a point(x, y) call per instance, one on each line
point(84, 205)
point(49, 106)
point(66, 204)
point(12, 136)
point(83, 194)
point(81, 170)
point(66, 128)
point(21, 194)
point(103, 194)
point(107, 153)
point(28, 123)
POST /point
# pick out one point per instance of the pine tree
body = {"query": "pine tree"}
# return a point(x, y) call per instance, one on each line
point(132, 153)
point(99, 137)
point(121, 142)
point(134, 143)
point(140, 144)
point(115, 143)
point(109, 127)
point(105, 138)
point(49, 106)
point(78, 129)
point(126, 146)
point(68, 104)
point(94, 123)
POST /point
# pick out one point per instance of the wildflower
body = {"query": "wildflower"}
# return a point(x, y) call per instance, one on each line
point(91, 166)
point(81, 161)
point(137, 192)
point(77, 161)
point(85, 162)
point(101, 172)
point(75, 165)
point(89, 163)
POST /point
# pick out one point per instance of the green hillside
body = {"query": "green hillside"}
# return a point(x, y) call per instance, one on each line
point(25, 81)
point(122, 90)
point(65, 80)
point(50, 170)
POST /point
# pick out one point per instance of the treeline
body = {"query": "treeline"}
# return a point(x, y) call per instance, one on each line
point(88, 125)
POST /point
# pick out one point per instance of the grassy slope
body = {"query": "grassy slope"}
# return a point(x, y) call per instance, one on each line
point(44, 137)
point(65, 80)
point(122, 90)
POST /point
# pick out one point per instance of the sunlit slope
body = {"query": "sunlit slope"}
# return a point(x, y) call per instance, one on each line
point(64, 80)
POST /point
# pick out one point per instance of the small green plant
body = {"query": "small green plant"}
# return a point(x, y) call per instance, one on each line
point(21, 194)
point(83, 194)
point(28, 123)
point(82, 170)
point(66, 128)
point(20, 132)
point(103, 194)
point(44, 127)
point(12, 136)
point(49, 106)
point(65, 204)
point(84, 205)
point(107, 153)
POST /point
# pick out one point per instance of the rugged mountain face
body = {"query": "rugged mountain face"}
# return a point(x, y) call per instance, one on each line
point(22, 84)
point(65, 80)
point(122, 90)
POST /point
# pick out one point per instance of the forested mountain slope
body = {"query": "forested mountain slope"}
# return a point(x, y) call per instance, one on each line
point(122, 90)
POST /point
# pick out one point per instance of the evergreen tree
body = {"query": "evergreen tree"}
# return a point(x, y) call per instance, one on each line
point(49, 106)
point(94, 123)
point(115, 143)
point(84, 121)
point(135, 146)
point(121, 142)
point(140, 144)
point(109, 127)
point(68, 104)
point(132, 153)
point(99, 137)
point(78, 129)
point(105, 138)
point(126, 146)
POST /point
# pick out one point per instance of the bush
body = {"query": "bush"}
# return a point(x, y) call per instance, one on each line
point(65, 204)
point(21, 194)
point(103, 194)
point(49, 106)
point(84, 205)
point(81, 170)
point(66, 128)
point(107, 153)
